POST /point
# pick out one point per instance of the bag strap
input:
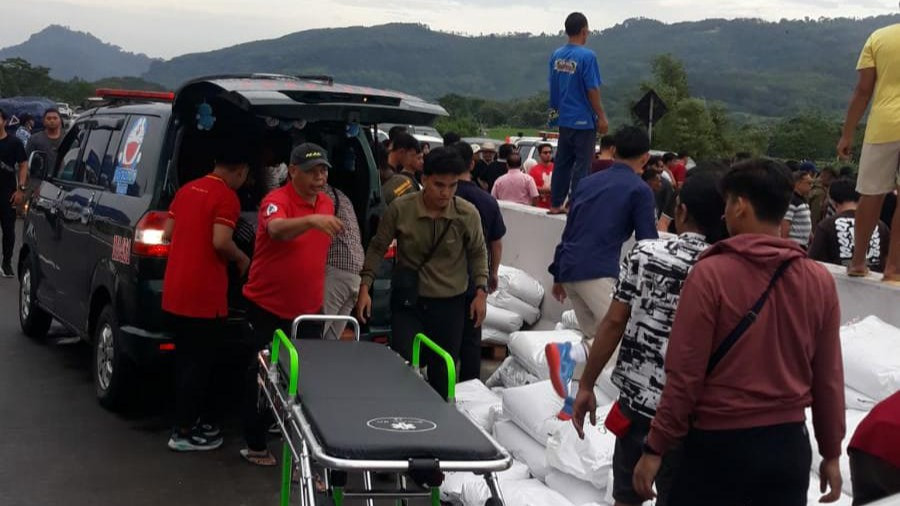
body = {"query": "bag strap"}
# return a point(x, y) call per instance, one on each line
point(746, 321)
point(437, 243)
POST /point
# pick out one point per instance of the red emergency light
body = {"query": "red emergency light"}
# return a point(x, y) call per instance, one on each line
point(112, 93)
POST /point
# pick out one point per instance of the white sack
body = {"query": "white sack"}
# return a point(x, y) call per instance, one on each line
point(502, 319)
point(521, 285)
point(505, 300)
point(528, 348)
point(478, 402)
point(857, 401)
point(534, 408)
point(871, 350)
point(854, 418)
point(570, 321)
point(511, 374)
point(518, 493)
point(451, 489)
point(494, 336)
point(588, 459)
point(578, 492)
point(523, 448)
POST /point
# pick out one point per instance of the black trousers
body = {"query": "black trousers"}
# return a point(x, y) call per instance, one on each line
point(470, 348)
point(7, 223)
point(262, 327)
point(197, 351)
point(441, 320)
point(761, 466)
point(873, 478)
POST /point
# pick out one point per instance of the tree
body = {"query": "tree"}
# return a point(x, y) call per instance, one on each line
point(465, 126)
point(809, 136)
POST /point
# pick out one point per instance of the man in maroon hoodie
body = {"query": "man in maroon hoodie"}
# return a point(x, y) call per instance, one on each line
point(741, 422)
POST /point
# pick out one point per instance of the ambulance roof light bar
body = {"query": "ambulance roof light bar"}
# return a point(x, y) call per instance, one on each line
point(135, 95)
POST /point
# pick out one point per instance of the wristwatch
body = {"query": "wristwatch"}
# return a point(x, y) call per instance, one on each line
point(23, 187)
point(646, 448)
point(483, 288)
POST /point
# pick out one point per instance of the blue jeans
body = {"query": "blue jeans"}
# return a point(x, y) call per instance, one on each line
point(574, 153)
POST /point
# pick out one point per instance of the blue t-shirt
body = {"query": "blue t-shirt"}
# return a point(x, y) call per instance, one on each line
point(606, 209)
point(574, 71)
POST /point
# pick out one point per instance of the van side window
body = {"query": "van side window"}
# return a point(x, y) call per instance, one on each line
point(92, 157)
point(71, 146)
point(135, 161)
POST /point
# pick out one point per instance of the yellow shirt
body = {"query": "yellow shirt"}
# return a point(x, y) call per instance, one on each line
point(882, 52)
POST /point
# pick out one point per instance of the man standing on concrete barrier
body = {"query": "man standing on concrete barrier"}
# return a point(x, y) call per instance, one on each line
point(879, 163)
point(607, 209)
point(576, 108)
point(745, 360)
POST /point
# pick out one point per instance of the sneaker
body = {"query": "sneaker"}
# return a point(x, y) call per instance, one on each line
point(209, 430)
point(561, 366)
point(6, 270)
point(193, 442)
point(565, 414)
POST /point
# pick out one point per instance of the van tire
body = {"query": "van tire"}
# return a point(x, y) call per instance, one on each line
point(35, 322)
point(112, 370)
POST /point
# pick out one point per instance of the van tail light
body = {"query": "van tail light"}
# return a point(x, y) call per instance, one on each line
point(391, 252)
point(148, 236)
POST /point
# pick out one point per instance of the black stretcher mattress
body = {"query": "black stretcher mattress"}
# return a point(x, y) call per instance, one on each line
point(365, 403)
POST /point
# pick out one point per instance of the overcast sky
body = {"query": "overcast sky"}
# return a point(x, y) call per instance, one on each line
point(167, 28)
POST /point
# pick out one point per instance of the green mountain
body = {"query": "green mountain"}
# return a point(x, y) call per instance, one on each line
point(756, 68)
point(70, 54)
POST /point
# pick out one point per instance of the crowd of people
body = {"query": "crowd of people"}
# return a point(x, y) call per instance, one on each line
point(724, 252)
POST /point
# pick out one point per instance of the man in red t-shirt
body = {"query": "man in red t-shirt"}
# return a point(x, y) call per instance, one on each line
point(541, 173)
point(195, 287)
point(676, 169)
point(287, 278)
point(875, 453)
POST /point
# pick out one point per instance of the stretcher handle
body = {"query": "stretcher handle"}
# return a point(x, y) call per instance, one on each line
point(279, 340)
point(325, 319)
point(451, 365)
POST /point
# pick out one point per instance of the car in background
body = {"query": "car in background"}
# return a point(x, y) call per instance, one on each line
point(92, 255)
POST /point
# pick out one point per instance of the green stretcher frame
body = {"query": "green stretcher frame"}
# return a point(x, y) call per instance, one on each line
point(281, 340)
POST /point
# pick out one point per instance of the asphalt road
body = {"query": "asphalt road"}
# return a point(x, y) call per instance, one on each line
point(58, 446)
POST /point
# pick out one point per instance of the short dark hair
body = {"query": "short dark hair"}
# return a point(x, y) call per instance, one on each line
point(653, 161)
point(800, 174)
point(607, 141)
point(683, 154)
point(847, 171)
point(575, 23)
point(514, 160)
point(25, 118)
point(505, 150)
point(451, 138)
point(465, 151)
point(649, 174)
point(702, 197)
point(543, 145)
point(831, 170)
point(668, 157)
point(444, 160)
point(52, 110)
point(396, 130)
point(405, 141)
point(3, 115)
point(843, 190)
point(232, 151)
point(631, 142)
point(767, 184)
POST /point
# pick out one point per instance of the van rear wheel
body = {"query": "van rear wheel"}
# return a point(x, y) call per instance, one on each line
point(113, 371)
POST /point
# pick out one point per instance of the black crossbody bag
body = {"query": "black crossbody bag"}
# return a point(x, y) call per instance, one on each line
point(405, 281)
point(746, 321)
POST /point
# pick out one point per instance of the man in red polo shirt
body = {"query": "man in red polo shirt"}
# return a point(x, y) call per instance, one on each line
point(287, 278)
point(200, 226)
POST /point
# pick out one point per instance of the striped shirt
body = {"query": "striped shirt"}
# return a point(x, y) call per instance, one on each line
point(650, 282)
point(800, 217)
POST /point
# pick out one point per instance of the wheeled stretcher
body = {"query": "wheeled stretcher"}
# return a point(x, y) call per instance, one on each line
point(357, 408)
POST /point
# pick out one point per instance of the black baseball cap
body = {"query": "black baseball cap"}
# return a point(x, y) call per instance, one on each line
point(308, 155)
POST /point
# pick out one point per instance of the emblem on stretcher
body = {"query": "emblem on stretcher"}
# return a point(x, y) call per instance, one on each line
point(401, 424)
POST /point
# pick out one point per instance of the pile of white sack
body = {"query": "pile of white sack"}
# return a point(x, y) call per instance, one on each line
point(552, 466)
point(515, 304)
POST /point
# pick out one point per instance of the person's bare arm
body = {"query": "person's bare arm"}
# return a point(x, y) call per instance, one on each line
point(862, 95)
point(286, 229)
point(597, 106)
point(223, 242)
point(785, 229)
point(663, 223)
